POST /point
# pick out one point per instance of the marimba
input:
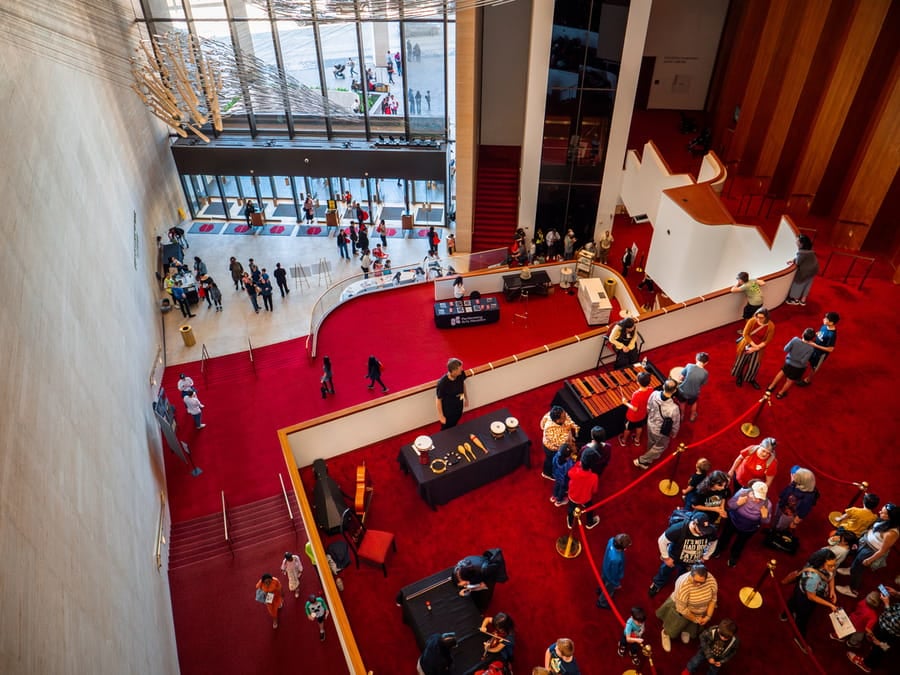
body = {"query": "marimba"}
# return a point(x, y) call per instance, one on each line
point(603, 392)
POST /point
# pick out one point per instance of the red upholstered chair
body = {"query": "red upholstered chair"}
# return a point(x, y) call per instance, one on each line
point(370, 545)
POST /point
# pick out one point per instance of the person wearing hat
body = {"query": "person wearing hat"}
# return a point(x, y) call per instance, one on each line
point(755, 461)
point(185, 384)
point(690, 607)
point(685, 543)
point(437, 656)
point(748, 510)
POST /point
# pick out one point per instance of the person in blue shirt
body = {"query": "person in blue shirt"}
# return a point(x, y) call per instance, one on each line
point(559, 659)
point(826, 339)
point(798, 352)
point(613, 569)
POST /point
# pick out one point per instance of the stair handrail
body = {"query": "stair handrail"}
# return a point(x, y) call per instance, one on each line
point(204, 360)
point(286, 500)
point(853, 260)
point(250, 352)
point(225, 522)
point(160, 537)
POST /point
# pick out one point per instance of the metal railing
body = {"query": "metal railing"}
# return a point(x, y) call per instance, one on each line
point(225, 522)
point(204, 361)
point(160, 537)
point(335, 294)
point(853, 260)
point(250, 354)
point(287, 501)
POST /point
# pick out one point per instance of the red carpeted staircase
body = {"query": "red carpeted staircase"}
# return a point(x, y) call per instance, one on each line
point(496, 197)
point(249, 526)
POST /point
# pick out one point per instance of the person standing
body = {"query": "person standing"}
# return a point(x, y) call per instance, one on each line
point(693, 377)
point(682, 545)
point(451, 397)
point(316, 610)
point(418, 102)
point(437, 654)
point(434, 241)
point(342, 244)
point(206, 283)
point(613, 569)
point(717, 646)
point(633, 635)
point(559, 659)
point(362, 235)
point(292, 568)
point(748, 509)
point(758, 332)
point(268, 592)
point(281, 279)
point(874, 546)
point(807, 266)
point(583, 485)
point(427, 100)
point(690, 606)
point(636, 413)
point(266, 290)
point(252, 292)
point(354, 237)
point(885, 634)
point(755, 461)
point(327, 381)
point(365, 263)
point(255, 274)
point(663, 422)
point(826, 339)
point(815, 586)
point(624, 337)
point(381, 230)
point(180, 297)
point(214, 294)
point(186, 385)
point(373, 372)
point(627, 259)
point(558, 430)
point(605, 243)
point(237, 273)
point(752, 289)
point(569, 242)
point(195, 408)
point(798, 350)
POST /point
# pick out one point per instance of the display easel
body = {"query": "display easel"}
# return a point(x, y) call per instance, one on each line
point(300, 275)
point(324, 271)
point(524, 314)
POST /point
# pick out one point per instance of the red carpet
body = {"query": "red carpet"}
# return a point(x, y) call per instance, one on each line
point(836, 427)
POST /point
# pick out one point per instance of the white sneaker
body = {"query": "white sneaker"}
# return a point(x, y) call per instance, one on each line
point(638, 464)
point(666, 641)
point(685, 637)
point(201, 426)
point(846, 590)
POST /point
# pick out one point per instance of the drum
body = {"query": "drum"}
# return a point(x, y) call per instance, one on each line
point(498, 429)
point(511, 424)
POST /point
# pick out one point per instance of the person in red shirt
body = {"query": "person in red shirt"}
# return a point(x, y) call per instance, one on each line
point(636, 415)
point(755, 461)
point(583, 484)
point(863, 618)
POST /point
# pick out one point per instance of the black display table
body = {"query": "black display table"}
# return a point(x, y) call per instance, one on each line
point(513, 284)
point(458, 313)
point(449, 613)
point(504, 456)
point(612, 420)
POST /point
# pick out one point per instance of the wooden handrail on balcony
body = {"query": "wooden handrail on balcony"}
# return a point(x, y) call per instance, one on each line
point(287, 501)
point(160, 538)
point(853, 260)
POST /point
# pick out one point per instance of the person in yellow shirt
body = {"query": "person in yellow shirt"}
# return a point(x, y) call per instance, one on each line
point(858, 519)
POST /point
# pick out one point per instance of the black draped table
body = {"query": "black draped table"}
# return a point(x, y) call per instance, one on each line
point(514, 284)
point(448, 613)
point(504, 456)
point(458, 313)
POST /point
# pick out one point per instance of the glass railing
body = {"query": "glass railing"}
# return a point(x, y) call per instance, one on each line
point(395, 277)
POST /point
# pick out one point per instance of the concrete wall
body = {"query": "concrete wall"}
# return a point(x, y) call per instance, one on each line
point(86, 187)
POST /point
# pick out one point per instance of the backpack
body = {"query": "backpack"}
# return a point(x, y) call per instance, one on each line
point(680, 516)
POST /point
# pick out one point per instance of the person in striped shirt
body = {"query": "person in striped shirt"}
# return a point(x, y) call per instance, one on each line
point(690, 607)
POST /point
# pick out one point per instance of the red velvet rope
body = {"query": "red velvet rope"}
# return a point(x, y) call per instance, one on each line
point(784, 608)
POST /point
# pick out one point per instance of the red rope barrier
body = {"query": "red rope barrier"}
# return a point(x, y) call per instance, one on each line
point(790, 617)
point(723, 429)
point(597, 574)
point(814, 469)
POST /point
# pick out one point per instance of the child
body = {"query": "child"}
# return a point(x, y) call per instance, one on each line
point(798, 353)
point(613, 569)
point(826, 339)
point(636, 415)
point(602, 449)
point(859, 519)
point(559, 659)
point(693, 377)
point(317, 610)
point(701, 469)
point(717, 646)
point(564, 460)
point(841, 542)
point(632, 637)
point(863, 619)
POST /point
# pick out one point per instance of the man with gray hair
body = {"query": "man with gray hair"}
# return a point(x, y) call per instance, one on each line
point(663, 422)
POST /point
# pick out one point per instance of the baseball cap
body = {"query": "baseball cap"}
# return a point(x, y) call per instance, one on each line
point(760, 490)
point(701, 521)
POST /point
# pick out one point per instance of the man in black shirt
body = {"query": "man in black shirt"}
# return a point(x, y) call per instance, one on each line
point(684, 544)
point(437, 657)
point(451, 394)
point(281, 278)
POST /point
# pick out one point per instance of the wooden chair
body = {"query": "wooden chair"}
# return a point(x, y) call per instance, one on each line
point(370, 545)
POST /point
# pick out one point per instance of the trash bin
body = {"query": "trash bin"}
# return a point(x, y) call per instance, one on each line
point(165, 305)
point(188, 336)
point(610, 286)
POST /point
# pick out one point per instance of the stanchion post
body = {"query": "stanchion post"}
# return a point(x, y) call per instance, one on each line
point(862, 488)
point(567, 545)
point(750, 597)
point(668, 486)
point(647, 652)
point(749, 429)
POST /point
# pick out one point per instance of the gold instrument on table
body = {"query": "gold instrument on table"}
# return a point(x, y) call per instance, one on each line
point(477, 441)
point(466, 451)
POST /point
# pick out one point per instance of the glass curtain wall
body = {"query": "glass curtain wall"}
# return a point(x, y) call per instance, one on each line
point(585, 53)
point(322, 69)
